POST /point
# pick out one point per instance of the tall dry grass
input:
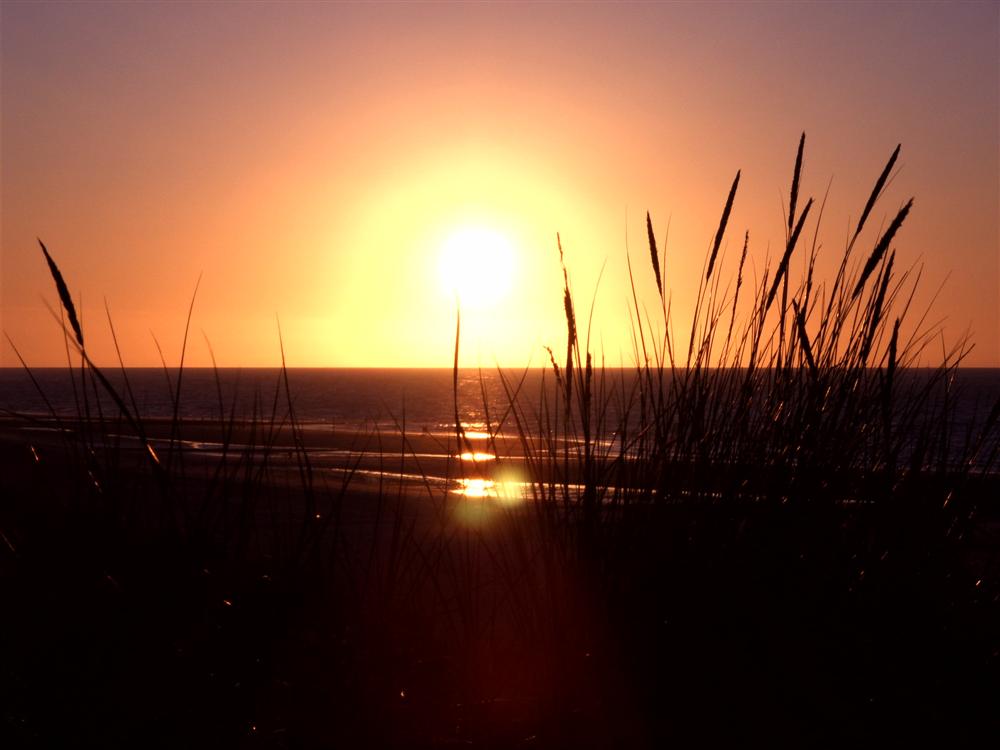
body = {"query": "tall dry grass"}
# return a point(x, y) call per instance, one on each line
point(770, 529)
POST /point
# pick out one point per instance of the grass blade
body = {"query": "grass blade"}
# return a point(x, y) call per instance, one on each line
point(64, 296)
point(783, 266)
point(881, 247)
point(722, 225)
point(879, 184)
point(800, 325)
point(653, 255)
point(793, 198)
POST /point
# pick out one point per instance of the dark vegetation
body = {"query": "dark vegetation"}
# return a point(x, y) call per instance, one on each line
point(790, 540)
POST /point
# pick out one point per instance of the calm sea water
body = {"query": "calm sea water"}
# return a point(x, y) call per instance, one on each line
point(419, 402)
point(348, 398)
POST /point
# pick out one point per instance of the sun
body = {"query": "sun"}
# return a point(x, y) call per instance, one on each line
point(476, 266)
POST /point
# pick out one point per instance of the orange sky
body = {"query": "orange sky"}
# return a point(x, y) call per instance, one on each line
point(311, 161)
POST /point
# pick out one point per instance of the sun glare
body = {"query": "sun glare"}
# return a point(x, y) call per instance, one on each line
point(476, 266)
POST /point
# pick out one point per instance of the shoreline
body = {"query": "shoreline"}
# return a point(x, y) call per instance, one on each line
point(377, 599)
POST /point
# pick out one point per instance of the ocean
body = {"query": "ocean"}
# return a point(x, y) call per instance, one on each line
point(343, 397)
point(335, 402)
point(338, 397)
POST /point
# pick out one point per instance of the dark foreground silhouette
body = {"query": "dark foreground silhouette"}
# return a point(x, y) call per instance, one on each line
point(791, 539)
point(416, 625)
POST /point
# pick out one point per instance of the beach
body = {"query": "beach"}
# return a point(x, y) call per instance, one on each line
point(395, 610)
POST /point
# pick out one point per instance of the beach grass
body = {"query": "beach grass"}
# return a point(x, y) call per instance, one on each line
point(771, 529)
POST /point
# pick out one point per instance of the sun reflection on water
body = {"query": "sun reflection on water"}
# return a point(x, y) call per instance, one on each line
point(476, 456)
point(476, 488)
point(507, 488)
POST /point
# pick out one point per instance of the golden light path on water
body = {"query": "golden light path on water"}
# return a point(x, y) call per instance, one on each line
point(505, 485)
point(476, 456)
point(475, 487)
point(507, 490)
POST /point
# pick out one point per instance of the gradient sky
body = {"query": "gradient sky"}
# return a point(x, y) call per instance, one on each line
point(310, 161)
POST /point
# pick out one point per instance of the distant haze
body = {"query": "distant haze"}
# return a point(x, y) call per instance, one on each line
point(311, 161)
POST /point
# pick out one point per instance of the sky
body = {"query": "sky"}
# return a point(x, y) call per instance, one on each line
point(331, 168)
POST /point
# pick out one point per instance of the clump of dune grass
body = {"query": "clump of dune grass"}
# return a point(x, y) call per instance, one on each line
point(785, 390)
point(767, 530)
point(797, 445)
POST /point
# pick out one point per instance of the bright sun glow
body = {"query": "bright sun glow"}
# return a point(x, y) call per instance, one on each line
point(477, 266)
